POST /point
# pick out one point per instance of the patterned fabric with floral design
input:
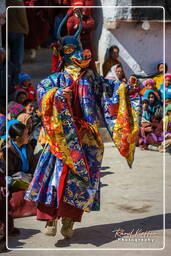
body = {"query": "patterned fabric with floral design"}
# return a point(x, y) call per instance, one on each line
point(76, 142)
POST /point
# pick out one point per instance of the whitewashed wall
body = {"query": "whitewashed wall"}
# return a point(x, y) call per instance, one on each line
point(140, 50)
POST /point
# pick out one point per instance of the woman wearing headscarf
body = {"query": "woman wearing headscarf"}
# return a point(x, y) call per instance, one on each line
point(26, 119)
point(163, 132)
point(116, 73)
point(151, 116)
point(111, 60)
point(21, 166)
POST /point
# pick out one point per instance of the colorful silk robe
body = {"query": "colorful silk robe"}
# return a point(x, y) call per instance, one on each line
point(80, 150)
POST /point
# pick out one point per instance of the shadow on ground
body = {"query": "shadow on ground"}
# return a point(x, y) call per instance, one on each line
point(102, 174)
point(99, 235)
point(14, 242)
point(105, 167)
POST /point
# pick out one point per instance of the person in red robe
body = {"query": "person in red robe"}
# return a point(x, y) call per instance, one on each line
point(86, 33)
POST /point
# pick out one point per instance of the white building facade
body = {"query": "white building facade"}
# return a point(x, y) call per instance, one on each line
point(141, 40)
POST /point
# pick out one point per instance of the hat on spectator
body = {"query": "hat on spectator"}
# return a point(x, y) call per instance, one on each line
point(15, 109)
point(23, 76)
point(167, 75)
point(149, 81)
point(10, 123)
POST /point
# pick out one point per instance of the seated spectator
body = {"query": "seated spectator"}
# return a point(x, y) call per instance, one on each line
point(134, 93)
point(21, 96)
point(116, 74)
point(25, 84)
point(134, 87)
point(145, 113)
point(165, 89)
point(149, 84)
point(113, 54)
point(33, 123)
point(11, 230)
point(20, 153)
point(153, 100)
point(151, 116)
point(21, 166)
point(14, 109)
point(159, 77)
point(26, 119)
point(164, 135)
point(28, 106)
point(31, 109)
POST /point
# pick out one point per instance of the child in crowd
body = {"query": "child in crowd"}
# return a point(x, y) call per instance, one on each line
point(165, 89)
point(15, 107)
point(145, 113)
point(28, 106)
point(149, 84)
point(21, 96)
point(134, 93)
point(25, 84)
point(134, 87)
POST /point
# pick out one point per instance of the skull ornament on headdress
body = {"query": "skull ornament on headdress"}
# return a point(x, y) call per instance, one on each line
point(70, 46)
